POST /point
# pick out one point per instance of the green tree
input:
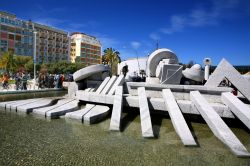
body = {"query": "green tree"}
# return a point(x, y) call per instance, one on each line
point(29, 66)
point(8, 62)
point(112, 58)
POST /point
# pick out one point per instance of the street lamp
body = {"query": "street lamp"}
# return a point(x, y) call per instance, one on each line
point(34, 56)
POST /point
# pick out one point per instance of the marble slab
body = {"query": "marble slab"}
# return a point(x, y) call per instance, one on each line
point(218, 126)
point(146, 124)
point(117, 110)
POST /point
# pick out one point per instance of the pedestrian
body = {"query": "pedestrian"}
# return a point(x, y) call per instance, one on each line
point(5, 81)
point(46, 80)
point(61, 80)
point(51, 81)
point(57, 80)
point(17, 81)
point(41, 81)
point(24, 81)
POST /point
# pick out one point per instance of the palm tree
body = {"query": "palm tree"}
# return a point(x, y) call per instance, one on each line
point(8, 62)
point(112, 58)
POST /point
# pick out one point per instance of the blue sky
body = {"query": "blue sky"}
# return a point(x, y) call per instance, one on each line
point(193, 29)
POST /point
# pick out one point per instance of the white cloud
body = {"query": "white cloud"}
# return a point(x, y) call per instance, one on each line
point(200, 16)
point(106, 40)
point(177, 23)
point(135, 44)
point(49, 21)
point(154, 36)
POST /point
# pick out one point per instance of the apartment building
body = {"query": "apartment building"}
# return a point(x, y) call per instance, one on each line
point(85, 48)
point(52, 45)
point(15, 35)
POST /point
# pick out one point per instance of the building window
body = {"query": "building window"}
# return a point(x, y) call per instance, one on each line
point(18, 37)
point(4, 42)
point(4, 28)
point(11, 36)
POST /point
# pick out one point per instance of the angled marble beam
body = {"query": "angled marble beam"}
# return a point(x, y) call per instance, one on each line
point(78, 115)
point(96, 114)
point(103, 84)
point(117, 110)
point(42, 111)
point(38, 104)
point(109, 85)
point(226, 70)
point(218, 126)
point(177, 119)
point(240, 109)
point(62, 110)
point(146, 124)
point(118, 82)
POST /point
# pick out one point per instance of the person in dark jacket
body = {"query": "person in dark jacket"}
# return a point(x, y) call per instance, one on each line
point(24, 81)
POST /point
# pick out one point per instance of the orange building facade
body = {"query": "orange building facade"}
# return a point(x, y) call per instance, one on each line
point(86, 49)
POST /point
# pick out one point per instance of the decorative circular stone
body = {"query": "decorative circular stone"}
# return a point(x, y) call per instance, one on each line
point(194, 73)
point(88, 71)
point(155, 58)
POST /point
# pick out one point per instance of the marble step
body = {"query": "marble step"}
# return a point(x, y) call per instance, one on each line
point(103, 84)
point(42, 111)
point(13, 106)
point(109, 85)
point(3, 104)
point(62, 110)
point(27, 108)
point(78, 115)
point(96, 114)
point(119, 81)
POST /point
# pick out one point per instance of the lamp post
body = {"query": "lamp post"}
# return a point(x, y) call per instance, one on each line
point(34, 57)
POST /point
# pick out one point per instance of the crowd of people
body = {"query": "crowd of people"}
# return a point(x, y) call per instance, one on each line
point(44, 80)
point(51, 80)
point(21, 79)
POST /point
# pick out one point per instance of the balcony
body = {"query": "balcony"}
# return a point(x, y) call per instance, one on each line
point(58, 50)
point(43, 35)
point(65, 45)
point(58, 46)
point(58, 39)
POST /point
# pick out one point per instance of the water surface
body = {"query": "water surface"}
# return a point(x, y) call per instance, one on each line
point(27, 140)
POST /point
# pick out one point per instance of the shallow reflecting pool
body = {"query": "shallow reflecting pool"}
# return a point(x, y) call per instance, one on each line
point(27, 140)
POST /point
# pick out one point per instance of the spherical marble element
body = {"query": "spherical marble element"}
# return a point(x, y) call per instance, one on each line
point(196, 67)
point(90, 70)
point(194, 73)
point(157, 56)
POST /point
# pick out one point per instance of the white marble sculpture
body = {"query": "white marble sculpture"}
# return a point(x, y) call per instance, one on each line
point(92, 70)
point(157, 56)
point(194, 73)
point(163, 68)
